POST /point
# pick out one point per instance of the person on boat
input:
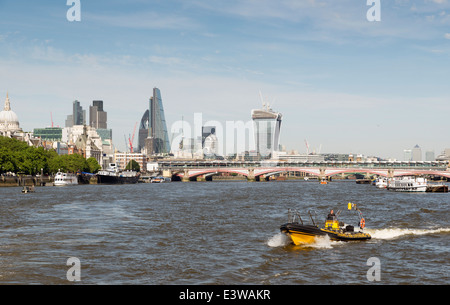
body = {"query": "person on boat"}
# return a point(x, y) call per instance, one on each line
point(331, 216)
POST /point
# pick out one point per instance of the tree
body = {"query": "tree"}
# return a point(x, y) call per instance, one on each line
point(93, 165)
point(133, 165)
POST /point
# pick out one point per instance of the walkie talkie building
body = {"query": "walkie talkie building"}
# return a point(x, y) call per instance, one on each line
point(267, 126)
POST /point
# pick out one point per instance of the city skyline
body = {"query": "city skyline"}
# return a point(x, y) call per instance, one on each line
point(340, 81)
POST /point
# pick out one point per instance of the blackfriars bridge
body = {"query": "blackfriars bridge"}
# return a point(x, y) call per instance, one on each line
point(261, 170)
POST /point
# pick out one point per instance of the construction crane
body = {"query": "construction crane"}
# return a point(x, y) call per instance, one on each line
point(307, 147)
point(131, 140)
point(51, 118)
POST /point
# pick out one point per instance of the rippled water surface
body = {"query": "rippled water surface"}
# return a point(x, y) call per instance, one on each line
point(218, 233)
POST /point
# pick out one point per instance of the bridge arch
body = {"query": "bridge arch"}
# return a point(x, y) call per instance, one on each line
point(273, 171)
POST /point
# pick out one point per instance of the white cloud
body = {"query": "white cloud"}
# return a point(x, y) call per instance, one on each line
point(143, 20)
point(447, 35)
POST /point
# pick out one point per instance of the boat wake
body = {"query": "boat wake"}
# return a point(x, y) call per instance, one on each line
point(324, 242)
point(278, 240)
point(392, 233)
point(320, 242)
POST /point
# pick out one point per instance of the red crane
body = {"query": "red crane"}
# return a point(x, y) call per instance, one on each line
point(132, 139)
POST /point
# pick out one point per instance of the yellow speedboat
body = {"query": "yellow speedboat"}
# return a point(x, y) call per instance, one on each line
point(301, 233)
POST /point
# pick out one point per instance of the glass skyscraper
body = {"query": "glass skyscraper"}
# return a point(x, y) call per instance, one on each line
point(267, 126)
point(153, 126)
point(78, 116)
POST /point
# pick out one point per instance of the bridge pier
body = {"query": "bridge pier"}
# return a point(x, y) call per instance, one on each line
point(390, 173)
point(167, 173)
point(322, 175)
point(201, 178)
point(251, 175)
point(185, 176)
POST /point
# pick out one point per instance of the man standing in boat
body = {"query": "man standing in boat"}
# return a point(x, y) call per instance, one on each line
point(331, 215)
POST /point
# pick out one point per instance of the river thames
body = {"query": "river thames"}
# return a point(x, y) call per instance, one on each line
point(224, 233)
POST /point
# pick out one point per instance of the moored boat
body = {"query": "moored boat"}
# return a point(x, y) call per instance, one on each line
point(381, 183)
point(112, 175)
point(407, 184)
point(63, 179)
point(301, 233)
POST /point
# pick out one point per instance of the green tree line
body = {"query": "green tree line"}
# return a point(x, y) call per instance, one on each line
point(17, 157)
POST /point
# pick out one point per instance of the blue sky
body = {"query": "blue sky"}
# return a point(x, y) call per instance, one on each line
point(340, 81)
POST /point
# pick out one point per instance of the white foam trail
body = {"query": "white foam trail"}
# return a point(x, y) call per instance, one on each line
point(281, 240)
point(322, 242)
point(392, 233)
point(278, 240)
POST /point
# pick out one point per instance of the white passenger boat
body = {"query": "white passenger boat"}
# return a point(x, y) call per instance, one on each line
point(381, 183)
point(62, 179)
point(407, 184)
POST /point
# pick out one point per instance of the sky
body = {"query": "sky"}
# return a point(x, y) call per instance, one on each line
point(343, 83)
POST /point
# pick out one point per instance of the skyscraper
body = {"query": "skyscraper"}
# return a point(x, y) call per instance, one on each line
point(429, 155)
point(78, 116)
point(97, 117)
point(154, 122)
point(267, 126)
point(143, 130)
point(407, 155)
point(416, 153)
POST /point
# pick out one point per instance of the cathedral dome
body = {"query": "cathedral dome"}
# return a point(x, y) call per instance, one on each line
point(8, 118)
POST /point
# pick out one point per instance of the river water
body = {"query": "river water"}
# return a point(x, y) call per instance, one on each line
point(219, 233)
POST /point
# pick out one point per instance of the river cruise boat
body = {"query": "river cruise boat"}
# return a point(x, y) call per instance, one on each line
point(407, 184)
point(63, 179)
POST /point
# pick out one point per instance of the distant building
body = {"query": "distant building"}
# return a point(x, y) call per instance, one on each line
point(336, 157)
point(407, 155)
point(90, 142)
point(48, 133)
point(153, 135)
point(416, 153)
point(78, 116)
point(210, 142)
point(284, 156)
point(444, 156)
point(429, 156)
point(206, 131)
point(267, 125)
point(122, 160)
point(97, 117)
point(143, 130)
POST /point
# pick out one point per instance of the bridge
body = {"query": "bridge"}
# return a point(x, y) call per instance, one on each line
point(260, 170)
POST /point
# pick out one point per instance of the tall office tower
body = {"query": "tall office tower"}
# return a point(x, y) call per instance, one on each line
point(210, 143)
point(78, 116)
point(416, 153)
point(157, 141)
point(407, 155)
point(143, 131)
point(267, 126)
point(429, 155)
point(206, 131)
point(97, 117)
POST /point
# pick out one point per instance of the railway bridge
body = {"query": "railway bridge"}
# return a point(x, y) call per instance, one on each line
point(258, 171)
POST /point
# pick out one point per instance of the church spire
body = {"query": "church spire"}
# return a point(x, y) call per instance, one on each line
point(7, 103)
